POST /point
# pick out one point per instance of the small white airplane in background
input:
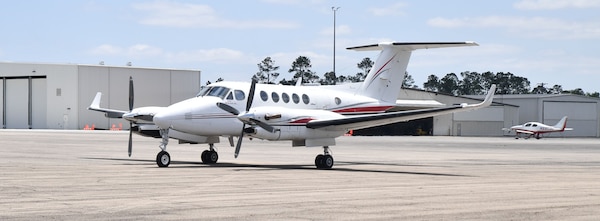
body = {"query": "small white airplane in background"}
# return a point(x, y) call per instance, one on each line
point(535, 129)
point(305, 115)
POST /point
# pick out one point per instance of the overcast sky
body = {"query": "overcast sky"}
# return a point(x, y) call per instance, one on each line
point(546, 41)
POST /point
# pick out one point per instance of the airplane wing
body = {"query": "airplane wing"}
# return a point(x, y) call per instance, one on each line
point(524, 131)
point(110, 113)
point(365, 121)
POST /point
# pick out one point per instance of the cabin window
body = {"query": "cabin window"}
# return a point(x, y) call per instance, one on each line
point(527, 125)
point(295, 98)
point(305, 99)
point(338, 101)
point(264, 96)
point(275, 97)
point(239, 95)
point(285, 97)
point(218, 92)
point(203, 91)
point(230, 96)
point(534, 125)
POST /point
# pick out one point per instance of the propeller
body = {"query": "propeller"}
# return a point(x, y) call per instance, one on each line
point(130, 109)
point(246, 118)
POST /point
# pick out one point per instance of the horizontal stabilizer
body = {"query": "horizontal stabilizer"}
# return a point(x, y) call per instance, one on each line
point(411, 46)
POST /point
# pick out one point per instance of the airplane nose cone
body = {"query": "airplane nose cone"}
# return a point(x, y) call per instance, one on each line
point(163, 119)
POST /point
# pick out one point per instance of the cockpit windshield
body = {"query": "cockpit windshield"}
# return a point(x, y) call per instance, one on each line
point(216, 91)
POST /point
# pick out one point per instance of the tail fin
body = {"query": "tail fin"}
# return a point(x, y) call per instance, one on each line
point(385, 78)
point(562, 124)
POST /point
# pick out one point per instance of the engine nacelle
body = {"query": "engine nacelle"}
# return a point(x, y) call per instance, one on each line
point(290, 124)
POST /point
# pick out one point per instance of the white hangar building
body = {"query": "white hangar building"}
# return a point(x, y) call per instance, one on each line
point(488, 121)
point(56, 96)
point(505, 111)
point(583, 112)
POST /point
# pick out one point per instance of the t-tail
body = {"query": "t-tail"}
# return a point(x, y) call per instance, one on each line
point(385, 77)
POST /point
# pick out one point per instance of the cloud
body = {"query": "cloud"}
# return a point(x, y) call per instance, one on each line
point(187, 15)
point(106, 49)
point(294, 2)
point(538, 27)
point(555, 4)
point(134, 51)
point(390, 10)
point(216, 55)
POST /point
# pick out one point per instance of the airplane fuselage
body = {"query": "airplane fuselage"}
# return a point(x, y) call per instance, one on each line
point(287, 108)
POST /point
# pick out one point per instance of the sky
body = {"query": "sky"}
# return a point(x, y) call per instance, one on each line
point(554, 42)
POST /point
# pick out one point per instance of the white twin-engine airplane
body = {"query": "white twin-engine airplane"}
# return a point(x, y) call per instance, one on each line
point(306, 115)
point(537, 128)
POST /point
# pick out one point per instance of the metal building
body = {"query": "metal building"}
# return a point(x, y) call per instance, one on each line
point(583, 112)
point(487, 121)
point(56, 96)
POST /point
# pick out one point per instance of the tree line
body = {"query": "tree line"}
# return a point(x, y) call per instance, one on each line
point(469, 83)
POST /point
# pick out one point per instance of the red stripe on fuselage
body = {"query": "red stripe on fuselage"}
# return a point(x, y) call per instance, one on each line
point(364, 109)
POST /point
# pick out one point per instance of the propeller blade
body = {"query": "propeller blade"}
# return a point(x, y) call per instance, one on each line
point(263, 125)
point(239, 143)
point(130, 93)
point(130, 142)
point(230, 138)
point(228, 108)
point(251, 94)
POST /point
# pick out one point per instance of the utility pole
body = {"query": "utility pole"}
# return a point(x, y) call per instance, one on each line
point(334, 9)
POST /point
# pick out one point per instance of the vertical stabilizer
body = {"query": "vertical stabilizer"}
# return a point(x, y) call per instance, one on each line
point(562, 124)
point(385, 78)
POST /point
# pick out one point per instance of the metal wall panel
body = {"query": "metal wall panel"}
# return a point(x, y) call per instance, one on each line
point(485, 114)
point(478, 128)
point(184, 85)
point(17, 103)
point(38, 102)
point(583, 117)
point(1, 103)
point(93, 79)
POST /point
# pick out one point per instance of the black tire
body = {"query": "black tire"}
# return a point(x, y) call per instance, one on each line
point(205, 157)
point(163, 159)
point(327, 162)
point(319, 161)
point(212, 157)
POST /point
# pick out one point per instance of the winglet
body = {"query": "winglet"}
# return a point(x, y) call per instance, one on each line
point(96, 102)
point(487, 101)
point(95, 106)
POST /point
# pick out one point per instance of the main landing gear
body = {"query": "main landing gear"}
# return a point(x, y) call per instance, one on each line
point(210, 156)
point(325, 160)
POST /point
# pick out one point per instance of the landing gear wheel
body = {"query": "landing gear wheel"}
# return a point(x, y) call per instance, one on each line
point(163, 159)
point(319, 160)
point(324, 161)
point(210, 157)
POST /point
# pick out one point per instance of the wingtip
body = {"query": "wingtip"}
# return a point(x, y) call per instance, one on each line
point(490, 95)
point(96, 102)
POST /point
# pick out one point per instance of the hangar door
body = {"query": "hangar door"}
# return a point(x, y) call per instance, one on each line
point(23, 102)
point(483, 122)
point(583, 117)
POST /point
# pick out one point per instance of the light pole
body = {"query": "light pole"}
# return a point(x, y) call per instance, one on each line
point(334, 9)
